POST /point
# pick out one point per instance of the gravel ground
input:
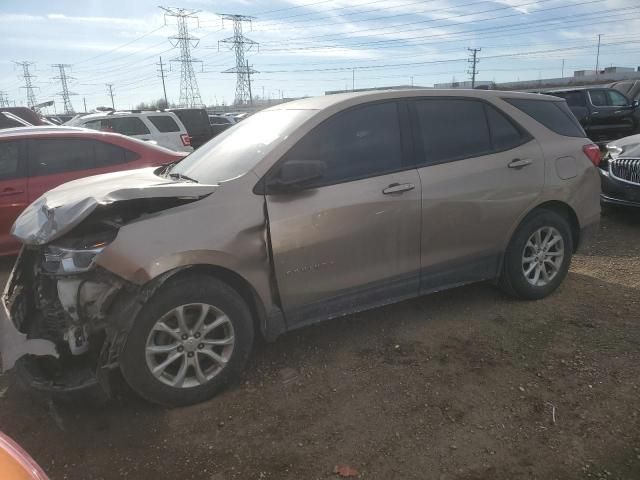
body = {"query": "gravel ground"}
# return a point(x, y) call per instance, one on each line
point(465, 384)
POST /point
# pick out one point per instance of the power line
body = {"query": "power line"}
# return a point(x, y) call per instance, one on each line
point(121, 46)
point(240, 45)
point(473, 60)
point(65, 93)
point(421, 22)
point(435, 62)
point(412, 39)
point(189, 92)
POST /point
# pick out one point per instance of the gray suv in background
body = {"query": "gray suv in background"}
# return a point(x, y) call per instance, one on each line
point(303, 212)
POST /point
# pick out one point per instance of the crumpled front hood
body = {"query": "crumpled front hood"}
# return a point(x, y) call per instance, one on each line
point(60, 210)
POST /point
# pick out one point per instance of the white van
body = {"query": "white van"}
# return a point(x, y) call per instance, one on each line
point(162, 128)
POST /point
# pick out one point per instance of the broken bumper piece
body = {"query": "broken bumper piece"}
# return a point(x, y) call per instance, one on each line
point(15, 344)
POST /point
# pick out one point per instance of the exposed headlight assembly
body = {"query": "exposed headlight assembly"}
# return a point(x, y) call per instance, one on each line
point(75, 257)
point(65, 260)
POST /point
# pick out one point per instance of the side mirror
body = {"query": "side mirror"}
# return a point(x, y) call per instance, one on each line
point(296, 174)
point(635, 104)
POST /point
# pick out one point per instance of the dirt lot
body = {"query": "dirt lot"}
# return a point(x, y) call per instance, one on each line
point(458, 385)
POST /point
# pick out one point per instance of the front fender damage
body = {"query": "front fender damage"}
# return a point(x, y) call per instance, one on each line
point(65, 333)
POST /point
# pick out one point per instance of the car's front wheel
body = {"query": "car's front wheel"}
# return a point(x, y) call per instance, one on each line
point(191, 338)
point(538, 257)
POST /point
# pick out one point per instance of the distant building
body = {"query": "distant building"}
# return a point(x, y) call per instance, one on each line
point(579, 78)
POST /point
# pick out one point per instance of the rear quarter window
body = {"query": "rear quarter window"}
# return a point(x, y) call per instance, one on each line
point(556, 116)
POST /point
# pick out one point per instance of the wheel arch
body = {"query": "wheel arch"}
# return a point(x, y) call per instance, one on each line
point(236, 281)
point(559, 207)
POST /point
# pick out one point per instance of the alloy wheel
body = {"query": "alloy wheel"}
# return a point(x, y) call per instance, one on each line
point(189, 345)
point(542, 256)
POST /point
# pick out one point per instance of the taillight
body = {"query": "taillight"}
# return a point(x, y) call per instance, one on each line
point(593, 152)
point(186, 140)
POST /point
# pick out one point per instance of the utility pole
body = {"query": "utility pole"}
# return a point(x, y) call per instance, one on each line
point(28, 84)
point(4, 100)
point(240, 45)
point(249, 81)
point(563, 68)
point(84, 100)
point(473, 60)
point(598, 55)
point(189, 91)
point(110, 87)
point(164, 88)
point(65, 93)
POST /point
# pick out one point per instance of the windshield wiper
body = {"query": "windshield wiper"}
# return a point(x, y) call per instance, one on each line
point(180, 176)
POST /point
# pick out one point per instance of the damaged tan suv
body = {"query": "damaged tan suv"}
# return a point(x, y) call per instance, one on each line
point(303, 212)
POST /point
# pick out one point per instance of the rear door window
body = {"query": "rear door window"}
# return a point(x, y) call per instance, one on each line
point(49, 157)
point(598, 98)
point(164, 123)
point(128, 126)
point(575, 99)
point(359, 143)
point(452, 129)
point(556, 116)
point(10, 160)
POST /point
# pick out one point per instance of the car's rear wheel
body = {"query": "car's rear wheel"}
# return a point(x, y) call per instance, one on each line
point(191, 338)
point(538, 257)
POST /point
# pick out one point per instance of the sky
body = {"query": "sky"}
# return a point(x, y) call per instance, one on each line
point(304, 47)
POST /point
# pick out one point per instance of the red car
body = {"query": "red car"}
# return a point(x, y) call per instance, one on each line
point(36, 159)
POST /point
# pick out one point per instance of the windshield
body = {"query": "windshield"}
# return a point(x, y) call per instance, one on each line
point(237, 150)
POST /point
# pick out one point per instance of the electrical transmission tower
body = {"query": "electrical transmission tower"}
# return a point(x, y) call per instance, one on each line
point(4, 100)
point(28, 84)
point(65, 93)
point(240, 45)
point(189, 92)
point(473, 60)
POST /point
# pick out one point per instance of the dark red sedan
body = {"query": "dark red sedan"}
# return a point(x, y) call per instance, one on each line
point(36, 159)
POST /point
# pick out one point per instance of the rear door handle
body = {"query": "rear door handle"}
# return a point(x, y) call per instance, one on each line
point(398, 188)
point(7, 192)
point(518, 163)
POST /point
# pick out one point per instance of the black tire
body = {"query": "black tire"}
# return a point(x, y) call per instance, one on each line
point(512, 280)
point(187, 289)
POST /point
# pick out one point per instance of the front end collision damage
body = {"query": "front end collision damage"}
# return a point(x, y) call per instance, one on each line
point(63, 317)
point(65, 333)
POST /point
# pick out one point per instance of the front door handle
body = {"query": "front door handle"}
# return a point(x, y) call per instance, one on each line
point(7, 192)
point(398, 188)
point(518, 163)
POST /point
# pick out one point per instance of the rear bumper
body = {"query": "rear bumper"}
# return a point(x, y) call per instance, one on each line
point(615, 192)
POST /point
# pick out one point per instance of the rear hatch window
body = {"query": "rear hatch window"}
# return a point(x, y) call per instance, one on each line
point(556, 116)
point(196, 121)
point(164, 123)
